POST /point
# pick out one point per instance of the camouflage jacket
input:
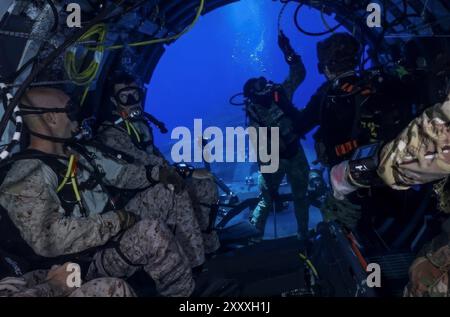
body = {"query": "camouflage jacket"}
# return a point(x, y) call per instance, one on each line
point(117, 138)
point(29, 194)
point(421, 153)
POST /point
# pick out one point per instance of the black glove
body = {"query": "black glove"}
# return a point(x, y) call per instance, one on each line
point(170, 176)
point(127, 219)
point(285, 45)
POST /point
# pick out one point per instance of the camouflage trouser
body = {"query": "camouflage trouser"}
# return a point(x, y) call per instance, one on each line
point(35, 284)
point(150, 245)
point(297, 170)
point(177, 212)
point(429, 273)
point(204, 195)
point(104, 287)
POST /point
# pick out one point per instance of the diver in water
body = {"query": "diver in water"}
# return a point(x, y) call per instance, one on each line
point(270, 105)
point(351, 110)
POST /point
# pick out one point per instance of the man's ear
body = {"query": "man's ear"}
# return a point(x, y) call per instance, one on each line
point(50, 118)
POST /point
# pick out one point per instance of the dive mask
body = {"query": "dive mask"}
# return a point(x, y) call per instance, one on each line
point(72, 109)
point(260, 85)
point(73, 112)
point(129, 96)
point(261, 93)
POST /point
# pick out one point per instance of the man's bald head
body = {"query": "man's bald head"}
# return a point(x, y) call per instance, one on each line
point(44, 97)
point(52, 123)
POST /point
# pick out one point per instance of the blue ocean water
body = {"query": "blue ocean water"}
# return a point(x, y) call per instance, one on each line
point(201, 71)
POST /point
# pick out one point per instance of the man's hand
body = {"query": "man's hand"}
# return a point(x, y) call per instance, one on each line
point(170, 177)
point(127, 219)
point(285, 46)
point(339, 181)
point(57, 279)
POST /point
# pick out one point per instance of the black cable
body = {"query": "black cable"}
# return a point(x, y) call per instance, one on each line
point(297, 25)
point(232, 102)
point(135, 6)
point(50, 58)
point(12, 77)
point(5, 103)
point(55, 16)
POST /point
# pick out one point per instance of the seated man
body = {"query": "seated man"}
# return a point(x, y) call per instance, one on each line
point(129, 131)
point(53, 283)
point(56, 207)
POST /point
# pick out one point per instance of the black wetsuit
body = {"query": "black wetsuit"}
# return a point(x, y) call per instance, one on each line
point(352, 112)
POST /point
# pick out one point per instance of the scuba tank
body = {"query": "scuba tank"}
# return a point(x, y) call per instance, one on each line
point(273, 109)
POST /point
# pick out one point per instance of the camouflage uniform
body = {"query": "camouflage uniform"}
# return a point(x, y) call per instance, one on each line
point(28, 193)
point(419, 155)
point(429, 273)
point(297, 176)
point(156, 201)
point(295, 166)
point(35, 284)
point(203, 193)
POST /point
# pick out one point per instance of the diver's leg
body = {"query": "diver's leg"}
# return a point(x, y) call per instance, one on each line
point(265, 205)
point(297, 174)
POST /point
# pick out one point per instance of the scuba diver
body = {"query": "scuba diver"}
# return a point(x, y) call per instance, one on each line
point(270, 105)
point(130, 130)
point(57, 206)
point(351, 110)
point(418, 155)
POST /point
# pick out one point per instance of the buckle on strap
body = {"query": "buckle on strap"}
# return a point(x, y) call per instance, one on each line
point(345, 148)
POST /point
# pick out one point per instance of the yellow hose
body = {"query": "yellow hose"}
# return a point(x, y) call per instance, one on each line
point(130, 127)
point(71, 173)
point(309, 263)
point(86, 76)
point(68, 174)
point(136, 133)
